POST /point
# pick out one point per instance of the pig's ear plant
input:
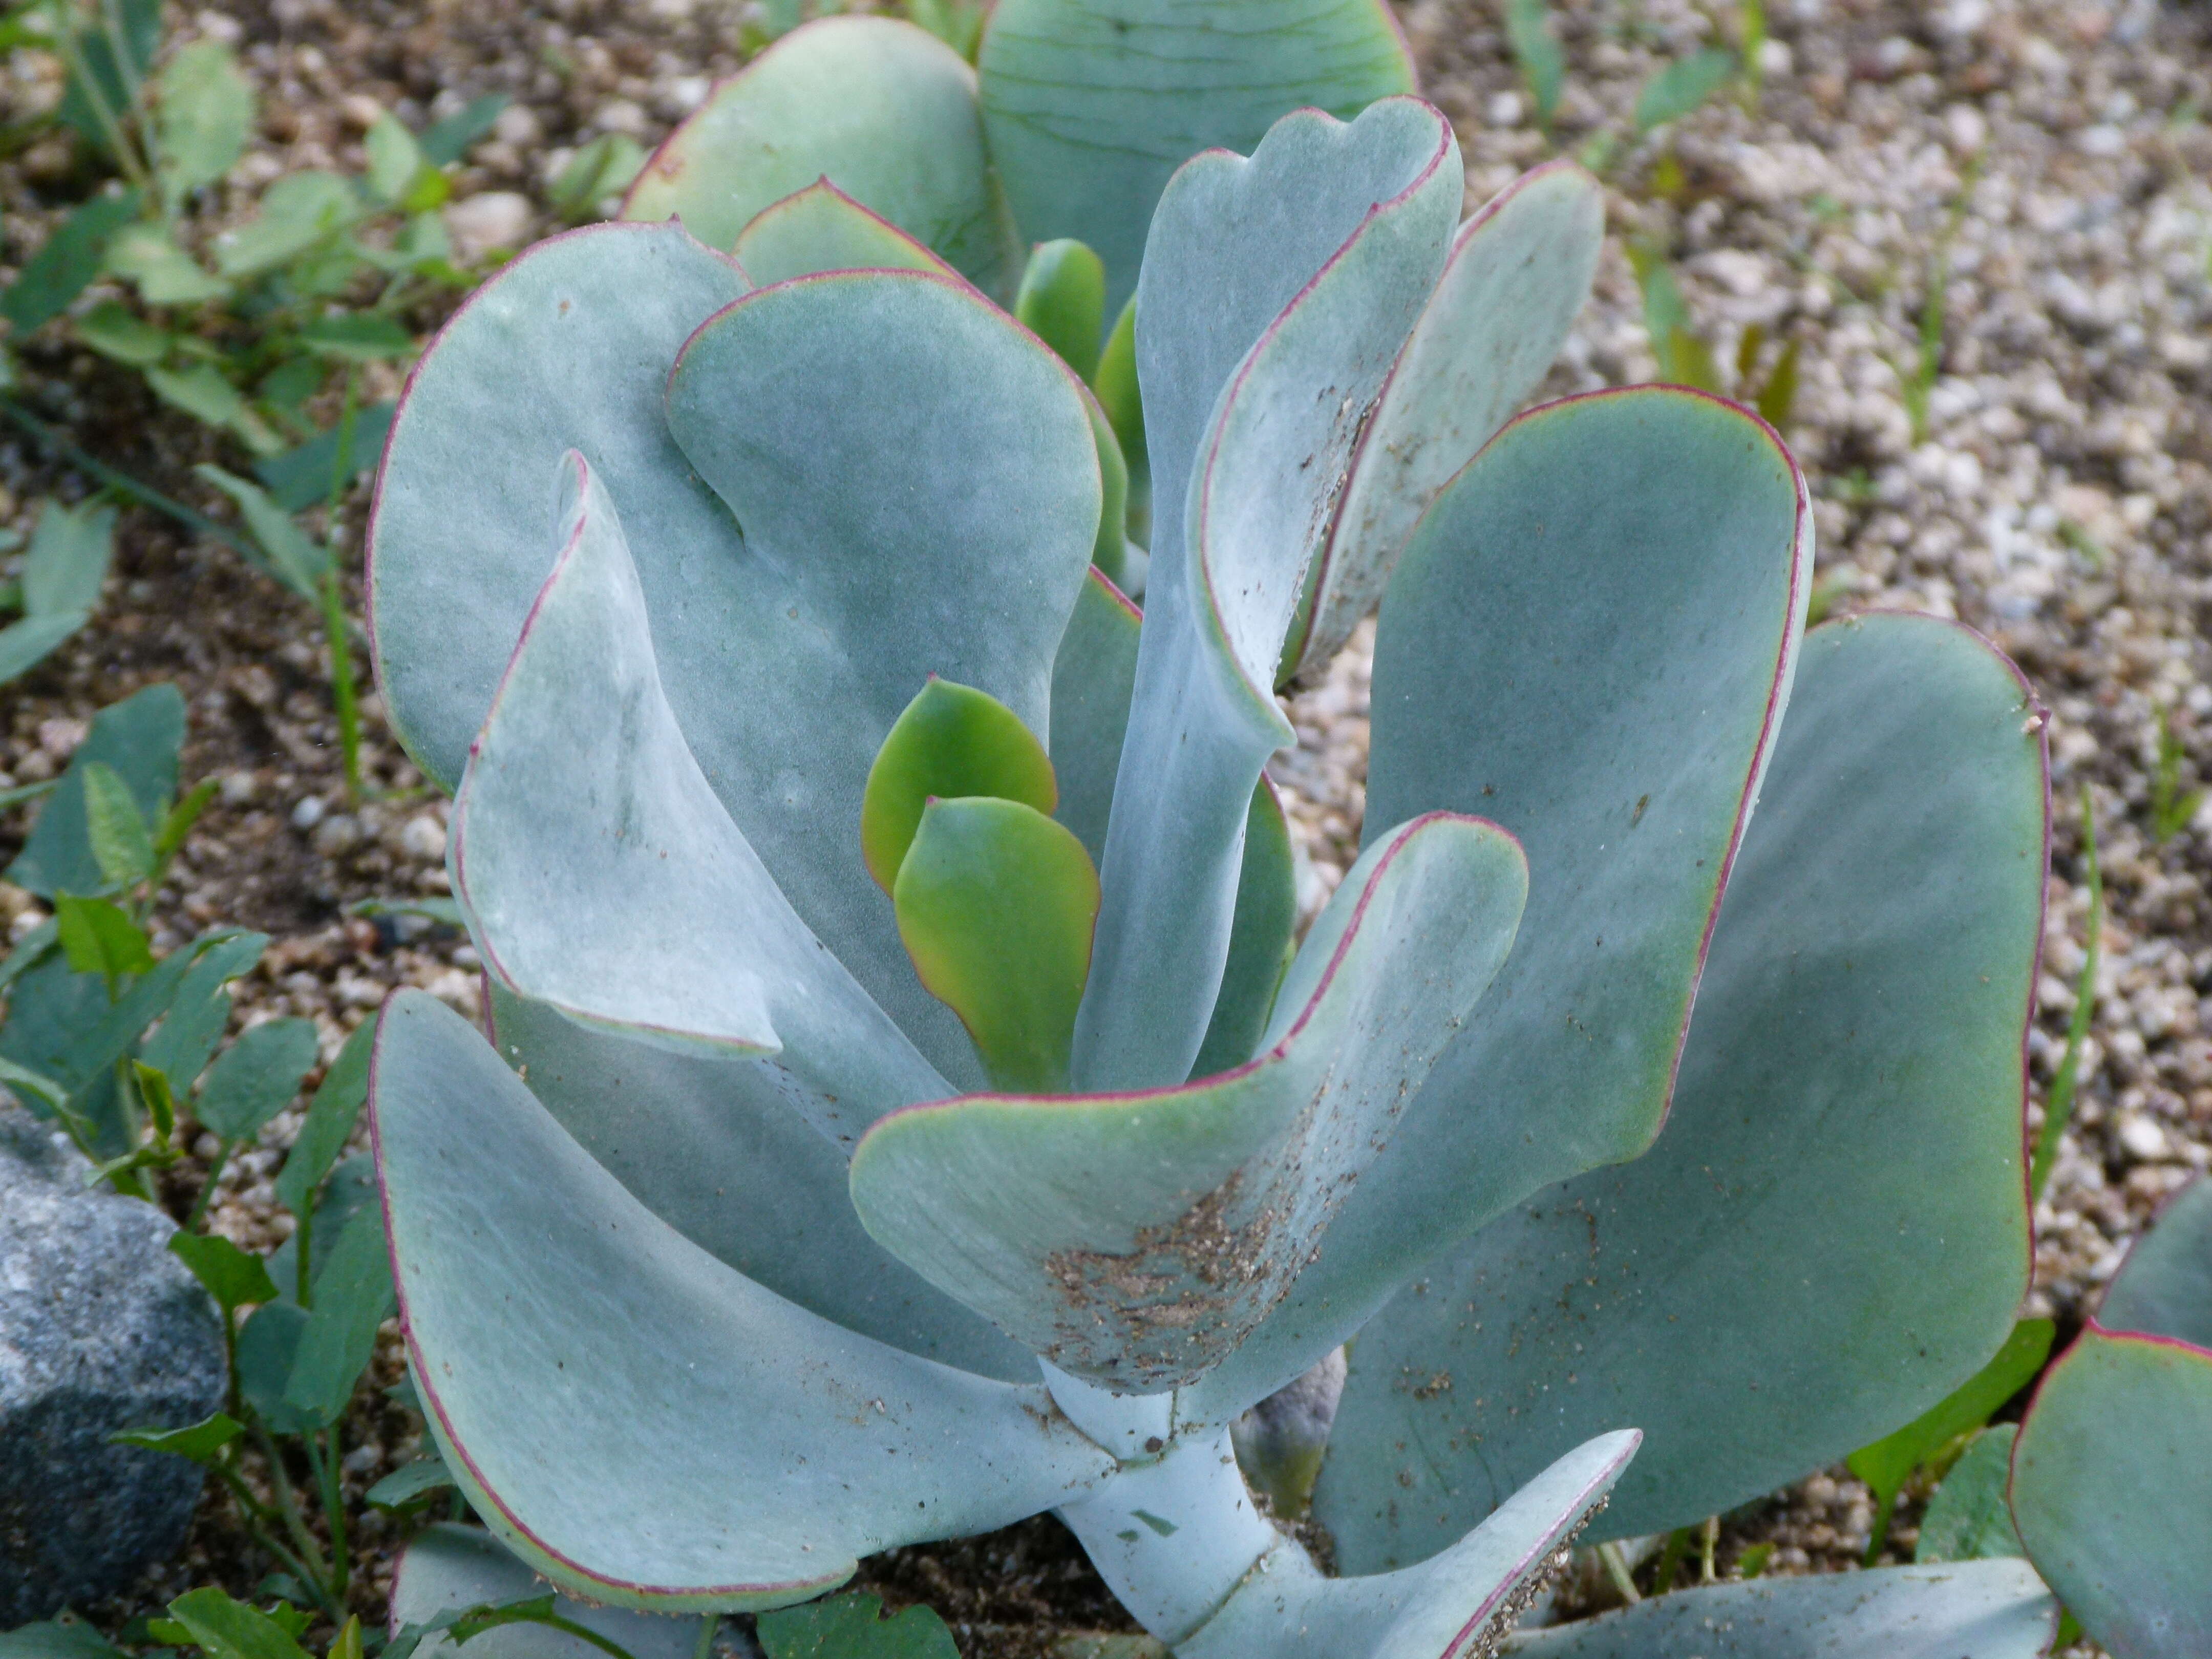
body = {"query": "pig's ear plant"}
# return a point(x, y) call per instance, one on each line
point(907, 1107)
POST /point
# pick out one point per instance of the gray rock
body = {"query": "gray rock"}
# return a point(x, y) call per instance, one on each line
point(100, 1329)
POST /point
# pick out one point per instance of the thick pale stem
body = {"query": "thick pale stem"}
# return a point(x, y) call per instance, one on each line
point(1175, 1532)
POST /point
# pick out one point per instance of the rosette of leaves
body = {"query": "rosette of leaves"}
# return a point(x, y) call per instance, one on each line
point(907, 1108)
point(2111, 1473)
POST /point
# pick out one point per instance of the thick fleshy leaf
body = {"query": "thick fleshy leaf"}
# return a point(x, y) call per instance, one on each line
point(1519, 272)
point(1967, 1519)
point(995, 904)
point(1974, 1610)
point(951, 741)
point(1279, 289)
point(1888, 1464)
point(446, 1569)
point(1062, 301)
point(1111, 551)
point(1091, 107)
point(1602, 671)
point(1092, 677)
point(713, 1149)
point(567, 348)
point(583, 1365)
point(600, 873)
point(2164, 1288)
point(1261, 940)
point(1771, 1285)
point(1455, 1606)
point(1136, 1238)
point(937, 518)
point(884, 110)
point(2111, 1490)
point(822, 228)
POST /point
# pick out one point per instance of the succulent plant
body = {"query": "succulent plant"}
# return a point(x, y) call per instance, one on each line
point(2111, 1473)
point(831, 1182)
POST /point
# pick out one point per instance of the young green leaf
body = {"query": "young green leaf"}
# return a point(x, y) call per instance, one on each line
point(996, 903)
point(267, 1346)
point(1777, 397)
point(293, 558)
point(599, 169)
point(1967, 1519)
point(43, 1090)
point(357, 337)
point(165, 274)
point(234, 1277)
point(1536, 53)
point(176, 822)
point(138, 737)
point(66, 263)
point(448, 141)
point(300, 477)
point(200, 1442)
point(1062, 301)
point(26, 644)
point(1889, 1462)
point(101, 937)
point(951, 741)
point(329, 1123)
point(299, 210)
point(67, 562)
point(1677, 90)
point(852, 1628)
point(161, 1101)
point(201, 391)
point(394, 160)
point(1115, 383)
point(118, 334)
point(232, 1630)
point(2058, 1101)
point(2172, 807)
point(203, 115)
point(256, 1078)
point(120, 844)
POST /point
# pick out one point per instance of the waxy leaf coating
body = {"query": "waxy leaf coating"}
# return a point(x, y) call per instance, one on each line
point(821, 229)
point(583, 1365)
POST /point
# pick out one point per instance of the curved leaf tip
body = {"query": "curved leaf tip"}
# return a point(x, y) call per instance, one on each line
point(952, 741)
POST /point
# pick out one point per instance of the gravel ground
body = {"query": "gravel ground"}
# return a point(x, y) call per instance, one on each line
point(2051, 153)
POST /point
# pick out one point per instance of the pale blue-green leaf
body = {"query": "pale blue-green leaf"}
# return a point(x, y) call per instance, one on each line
point(1974, 1610)
point(938, 517)
point(1600, 672)
point(852, 1627)
point(24, 644)
point(600, 875)
point(1276, 293)
point(446, 140)
point(583, 1365)
point(138, 737)
point(350, 1189)
point(1261, 939)
point(884, 111)
point(1519, 272)
point(1456, 1606)
point(733, 1169)
point(2111, 1490)
point(1092, 676)
point(1090, 107)
point(1770, 1285)
point(2164, 1288)
point(68, 558)
point(822, 228)
point(267, 1344)
point(1967, 1519)
point(567, 348)
point(1136, 1239)
point(448, 1567)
